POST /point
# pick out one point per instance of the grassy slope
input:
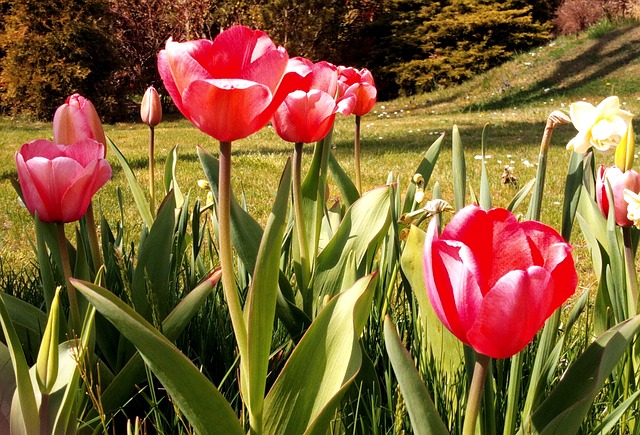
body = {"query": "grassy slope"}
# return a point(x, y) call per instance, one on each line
point(515, 98)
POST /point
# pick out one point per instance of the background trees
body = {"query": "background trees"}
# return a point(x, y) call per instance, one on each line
point(106, 49)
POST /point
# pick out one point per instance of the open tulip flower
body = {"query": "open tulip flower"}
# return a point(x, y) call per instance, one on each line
point(493, 281)
point(307, 114)
point(230, 87)
point(358, 82)
point(58, 181)
point(601, 127)
point(75, 120)
point(619, 182)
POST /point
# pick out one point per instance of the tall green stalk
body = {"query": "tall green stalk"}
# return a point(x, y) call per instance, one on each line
point(303, 243)
point(66, 269)
point(356, 155)
point(475, 394)
point(225, 249)
point(152, 188)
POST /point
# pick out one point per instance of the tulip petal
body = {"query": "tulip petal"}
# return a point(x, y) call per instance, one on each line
point(512, 312)
point(608, 108)
point(77, 197)
point(450, 276)
point(85, 151)
point(496, 240)
point(34, 201)
point(305, 116)
point(226, 109)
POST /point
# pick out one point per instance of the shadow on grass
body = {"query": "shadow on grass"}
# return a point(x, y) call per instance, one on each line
point(608, 54)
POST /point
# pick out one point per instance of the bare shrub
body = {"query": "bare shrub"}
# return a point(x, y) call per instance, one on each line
point(574, 16)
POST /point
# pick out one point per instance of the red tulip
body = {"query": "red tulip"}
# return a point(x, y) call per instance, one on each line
point(58, 181)
point(230, 87)
point(307, 114)
point(618, 181)
point(75, 120)
point(359, 83)
point(493, 281)
point(151, 109)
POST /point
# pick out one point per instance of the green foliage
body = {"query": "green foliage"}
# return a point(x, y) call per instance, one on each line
point(453, 40)
point(54, 48)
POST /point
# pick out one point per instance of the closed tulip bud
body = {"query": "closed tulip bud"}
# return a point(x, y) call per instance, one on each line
point(47, 362)
point(618, 182)
point(151, 109)
point(75, 120)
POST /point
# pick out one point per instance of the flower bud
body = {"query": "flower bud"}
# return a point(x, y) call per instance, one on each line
point(76, 120)
point(47, 361)
point(618, 181)
point(151, 109)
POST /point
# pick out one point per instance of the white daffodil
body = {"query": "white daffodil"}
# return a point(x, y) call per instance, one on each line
point(633, 207)
point(600, 127)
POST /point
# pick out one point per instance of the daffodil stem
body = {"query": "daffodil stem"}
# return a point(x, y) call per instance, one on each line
point(92, 234)
point(225, 252)
point(152, 186)
point(475, 394)
point(300, 225)
point(356, 155)
point(632, 280)
point(66, 269)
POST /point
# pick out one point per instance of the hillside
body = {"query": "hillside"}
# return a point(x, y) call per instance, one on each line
point(600, 62)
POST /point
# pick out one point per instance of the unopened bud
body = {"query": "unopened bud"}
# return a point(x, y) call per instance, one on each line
point(47, 361)
point(151, 109)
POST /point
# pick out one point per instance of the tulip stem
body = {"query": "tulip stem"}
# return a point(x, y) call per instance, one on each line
point(44, 414)
point(356, 155)
point(632, 280)
point(152, 186)
point(300, 226)
point(225, 248)
point(92, 233)
point(66, 269)
point(475, 394)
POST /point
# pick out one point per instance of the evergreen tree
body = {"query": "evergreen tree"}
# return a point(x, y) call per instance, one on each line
point(54, 48)
point(448, 41)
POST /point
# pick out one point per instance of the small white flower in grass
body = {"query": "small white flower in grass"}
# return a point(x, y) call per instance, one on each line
point(633, 206)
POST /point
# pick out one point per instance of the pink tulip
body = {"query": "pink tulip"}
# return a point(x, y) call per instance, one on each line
point(230, 87)
point(151, 108)
point(618, 181)
point(493, 281)
point(359, 83)
point(307, 114)
point(58, 181)
point(75, 120)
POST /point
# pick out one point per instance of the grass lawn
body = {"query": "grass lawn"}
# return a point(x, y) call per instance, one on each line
point(515, 99)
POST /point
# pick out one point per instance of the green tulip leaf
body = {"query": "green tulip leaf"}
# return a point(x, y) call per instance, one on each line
point(7, 388)
point(348, 190)
point(151, 275)
point(443, 345)
point(361, 227)
point(137, 192)
point(485, 190)
point(565, 408)
point(520, 196)
point(170, 180)
point(325, 361)
point(197, 398)
point(425, 168)
point(572, 193)
point(422, 412)
point(459, 169)
point(28, 421)
point(261, 303)
point(120, 389)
